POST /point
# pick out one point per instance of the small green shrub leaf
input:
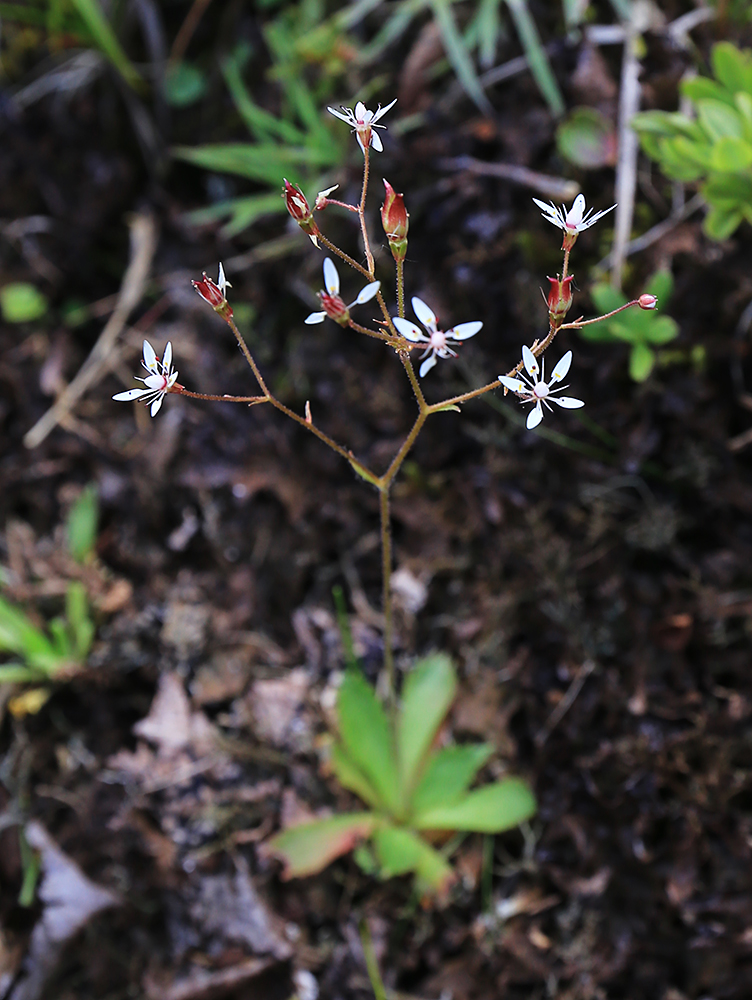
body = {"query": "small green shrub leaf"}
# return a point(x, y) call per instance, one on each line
point(448, 775)
point(720, 222)
point(731, 155)
point(491, 809)
point(310, 847)
point(662, 330)
point(700, 88)
point(400, 851)
point(367, 737)
point(641, 362)
point(587, 138)
point(732, 67)
point(21, 302)
point(427, 696)
point(184, 84)
point(719, 120)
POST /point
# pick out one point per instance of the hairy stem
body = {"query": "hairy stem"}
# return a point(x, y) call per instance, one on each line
point(386, 583)
point(578, 323)
point(182, 391)
point(362, 211)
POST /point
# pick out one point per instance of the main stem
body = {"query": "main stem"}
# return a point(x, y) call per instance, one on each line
point(386, 575)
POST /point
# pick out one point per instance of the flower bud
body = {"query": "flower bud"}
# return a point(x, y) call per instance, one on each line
point(300, 210)
point(215, 293)
point(559, 298)
point(647, 301)
point(395, 221)
point(334, 308)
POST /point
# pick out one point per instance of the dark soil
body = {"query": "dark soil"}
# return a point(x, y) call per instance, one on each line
point(594, 590)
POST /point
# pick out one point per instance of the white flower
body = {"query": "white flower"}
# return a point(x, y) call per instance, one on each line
point(437, 339)
point(576, 219)
point(158, 382)
point(333, 305)
point(363, 122)
point(538, 391)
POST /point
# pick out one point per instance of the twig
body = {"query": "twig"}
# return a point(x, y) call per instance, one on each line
point(143, 245)
point(566, 703)
point(557, 188)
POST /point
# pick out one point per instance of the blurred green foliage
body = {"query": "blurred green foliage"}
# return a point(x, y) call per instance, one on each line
point(22, 302)
point(715, 147)
point(640, 328)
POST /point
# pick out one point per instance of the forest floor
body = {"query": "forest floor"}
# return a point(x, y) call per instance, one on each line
point(594, 589)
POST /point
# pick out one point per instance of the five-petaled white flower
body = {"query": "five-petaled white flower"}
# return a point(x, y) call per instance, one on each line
point(158, 382)
point(437, 339)
point(538, 391)
point(576, 219)
point(333, 305)
point(363, 122)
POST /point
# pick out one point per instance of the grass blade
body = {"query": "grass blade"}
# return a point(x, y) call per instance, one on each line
point(458, 55)
point(536, 56)
point(93, 16)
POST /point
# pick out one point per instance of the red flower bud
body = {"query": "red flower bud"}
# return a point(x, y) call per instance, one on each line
point(300, 210)
point(395, 220)
point(215, 294)
point(334, 308)
point(559, 298)
point(647, 301)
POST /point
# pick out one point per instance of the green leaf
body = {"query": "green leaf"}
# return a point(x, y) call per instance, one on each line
point(675, 162)
point(262, 124)
point(720, 223)
point(491, 809)
point(665, 123)
point(16, 673)
point(258, 162)
point(400, 851)
point(662, 330)
point(719, 120)
point(350, 776)
point(458, 55)
point(587, 138)
point(367, 737)
point(95, 20)
point(80, 625)
point(184, 84)
point(21, 302)
point(731, 155)
point(641, 362)
point(448, 775)
point(427, 696)
point(536, 56)
point(606, 297)
point(243, 212)
point(82, 524)
point(731, 67)
point(662, 286)
point(700, 88)
point(310, 847)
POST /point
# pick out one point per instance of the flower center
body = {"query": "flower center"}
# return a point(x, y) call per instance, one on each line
point(438, 340)
point(540, 391)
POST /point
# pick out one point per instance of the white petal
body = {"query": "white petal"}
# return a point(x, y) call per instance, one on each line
point(568, 402)
point(326, 192)
point(345, 115)
point(409, 330)
point(367, 293)
point(376, 142)
point(126, 397)
point(150, 357)
point(156, 404)
point(427, 365)
point(530, 363)
point(156, 383)
point(331, 278)
point(576, 212)
point(360, 142)
point(425, 314)
point(562, 367)
point(167, 357)
point(172, 380)
point(513, 383)
point(315, 318)
point(534, 417)
point(547, 207)
point(222, 283)
point(380, 112)
point(464, 330)
point(360, 110)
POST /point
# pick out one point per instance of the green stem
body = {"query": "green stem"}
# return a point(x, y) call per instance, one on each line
point(401, 288)
point(386, 579)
